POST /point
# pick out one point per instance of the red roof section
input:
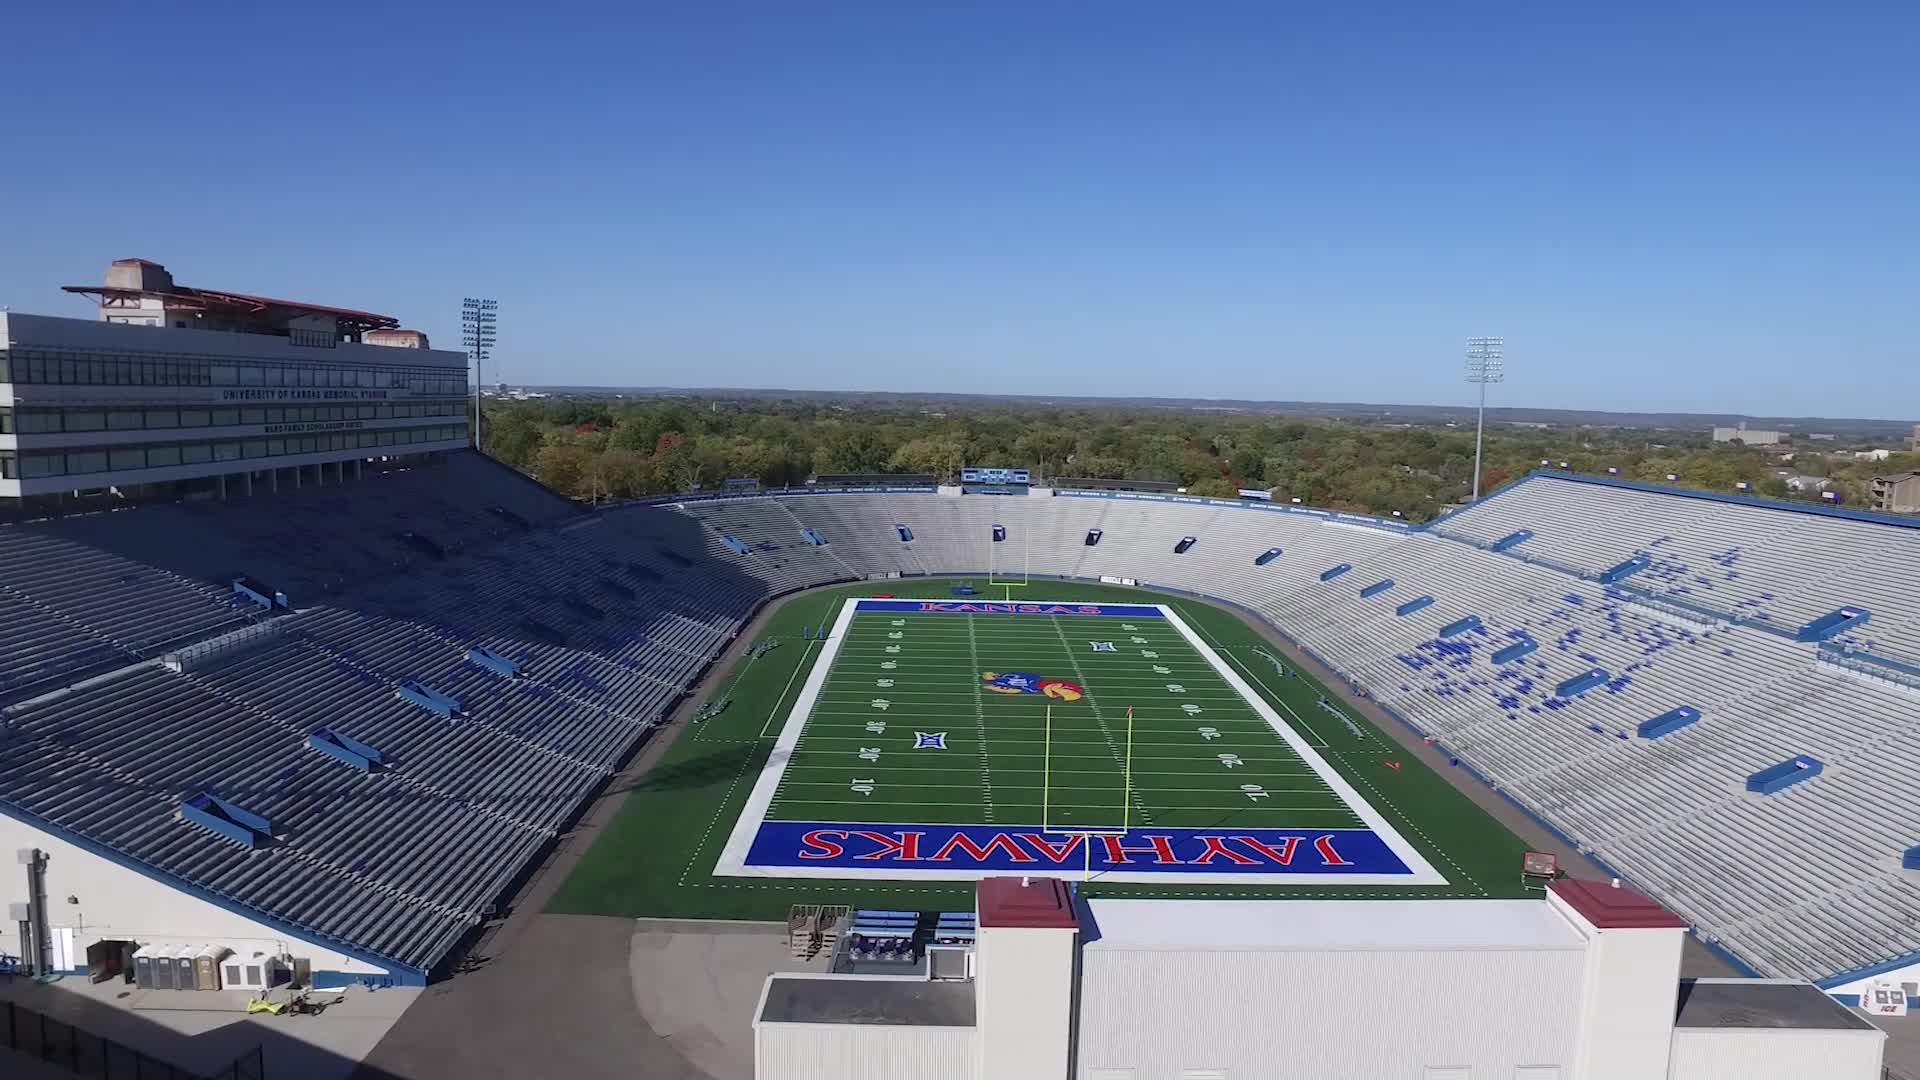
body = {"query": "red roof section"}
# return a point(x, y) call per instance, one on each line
point(1034, 903)
point(268, 301)
point(186, 296)
point(1615, 907)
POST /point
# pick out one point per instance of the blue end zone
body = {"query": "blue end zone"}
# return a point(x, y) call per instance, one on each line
point(987, 607)
point(962, 849)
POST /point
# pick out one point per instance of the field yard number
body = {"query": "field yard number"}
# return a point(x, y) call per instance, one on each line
point(1128, 626)
point(869, 753)
point(899, 622)
point(883, 683)
point(1209, 733)
point(1139, 641)
point(893, 648)
point(897, 635)
point(1159, 670)
point(882, 704)
point(864, 787)
point(1175, 688)
point(1231, 761)
point(888, 665)
point(1254, 791)
point(878, 727)
point(1190, 709)
point(1150, 655)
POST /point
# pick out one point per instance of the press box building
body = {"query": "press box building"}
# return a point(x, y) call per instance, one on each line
point(175, 389)
point(1582, 984)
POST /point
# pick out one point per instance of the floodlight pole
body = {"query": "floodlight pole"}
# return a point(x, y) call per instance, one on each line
point(1485, 364)
point(476, 328)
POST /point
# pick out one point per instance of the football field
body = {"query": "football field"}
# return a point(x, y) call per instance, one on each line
point(954, 739)
point(785, 793)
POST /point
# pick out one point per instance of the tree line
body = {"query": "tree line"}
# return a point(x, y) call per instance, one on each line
point(601, 448)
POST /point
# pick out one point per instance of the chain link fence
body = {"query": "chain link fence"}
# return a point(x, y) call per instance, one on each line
point(83, 1053)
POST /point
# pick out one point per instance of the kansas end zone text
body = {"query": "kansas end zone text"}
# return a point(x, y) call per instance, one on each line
point(1255, 852)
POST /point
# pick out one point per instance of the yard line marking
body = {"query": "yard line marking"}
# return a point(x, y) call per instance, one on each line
point(804, 653)
point(980, 724)
point(1129, 795)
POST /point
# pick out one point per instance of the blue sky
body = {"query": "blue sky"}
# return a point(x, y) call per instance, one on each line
point(1662, 207)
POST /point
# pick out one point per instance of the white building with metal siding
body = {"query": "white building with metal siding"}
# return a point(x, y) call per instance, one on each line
point(1580, 985)
point(1736, 1029)
point(1321, 989)
point(91, 898)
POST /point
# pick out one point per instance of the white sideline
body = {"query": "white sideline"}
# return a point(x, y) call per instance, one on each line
point(1423, 871)
point(733, 857)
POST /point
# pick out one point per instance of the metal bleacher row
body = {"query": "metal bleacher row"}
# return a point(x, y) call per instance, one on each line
point(610, 616)
point(147, 682)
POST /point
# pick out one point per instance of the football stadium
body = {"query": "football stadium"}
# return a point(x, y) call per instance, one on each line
point(313, 695)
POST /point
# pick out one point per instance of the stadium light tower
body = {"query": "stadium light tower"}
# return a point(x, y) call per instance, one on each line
point(476, 333)
point(1486, 363)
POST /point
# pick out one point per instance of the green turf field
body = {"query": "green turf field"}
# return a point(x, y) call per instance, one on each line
point(1191, 752)
point(657, 856)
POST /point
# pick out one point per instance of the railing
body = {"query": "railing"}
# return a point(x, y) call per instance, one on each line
point(83, 1053)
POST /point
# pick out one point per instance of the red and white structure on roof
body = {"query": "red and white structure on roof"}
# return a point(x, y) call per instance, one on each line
point(176, 390)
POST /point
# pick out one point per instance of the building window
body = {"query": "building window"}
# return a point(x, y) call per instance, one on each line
point(193, 418)
point(80, 420)
point(6, 421)
point(118, 460)
point(125, 420)
point(222, 417)
point(229, 451)
point(196, 454)
point(161, 456)
point(87, 461)
point(9, 467)
point(6, 367)
point(161, 419)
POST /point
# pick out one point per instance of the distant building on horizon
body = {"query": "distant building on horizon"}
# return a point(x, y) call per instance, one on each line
point(1750, 436)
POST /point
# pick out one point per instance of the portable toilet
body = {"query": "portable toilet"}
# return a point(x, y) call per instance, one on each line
point(143, 966)
point(183, 967)
point(206, 967)
point(162, 966)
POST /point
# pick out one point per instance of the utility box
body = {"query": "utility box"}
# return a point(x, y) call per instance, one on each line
point(143, 967)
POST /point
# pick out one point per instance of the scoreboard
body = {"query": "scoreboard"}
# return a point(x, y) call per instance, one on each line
point(995, 476)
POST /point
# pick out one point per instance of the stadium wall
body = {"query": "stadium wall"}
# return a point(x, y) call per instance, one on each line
point(1386, 1012)
point(121, 901)
point(1742, 1053)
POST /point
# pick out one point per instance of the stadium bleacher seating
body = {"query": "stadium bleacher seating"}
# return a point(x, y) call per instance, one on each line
point(608, 617)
